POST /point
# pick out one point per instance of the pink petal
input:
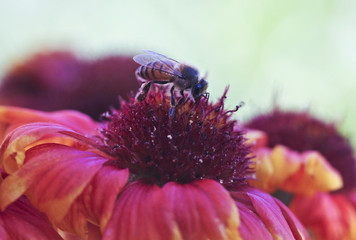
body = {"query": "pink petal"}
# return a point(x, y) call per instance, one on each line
point(251, 227)
point(53, 177)
point(92, 234)
point(96, 202)
point(12, 151)
point(100, 195)
point(21, 221)
point(200, 210)
point(203, 208)
point(270, 214)
point(15, 116)
point(327, 216)
point(297, 228)
point(138, 214)
point(272, 217)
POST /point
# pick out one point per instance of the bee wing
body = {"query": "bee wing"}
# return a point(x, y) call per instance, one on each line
point(149, 57)
point(159, 56)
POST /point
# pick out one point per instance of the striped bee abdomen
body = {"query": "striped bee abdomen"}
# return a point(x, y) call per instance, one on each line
point(154, 71)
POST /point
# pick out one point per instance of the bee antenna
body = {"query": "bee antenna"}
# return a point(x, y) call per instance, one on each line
point(206, 75)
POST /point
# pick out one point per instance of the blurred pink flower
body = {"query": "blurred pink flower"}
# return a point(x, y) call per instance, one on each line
point(300, 131)
point(306, 157)
point(60, 80)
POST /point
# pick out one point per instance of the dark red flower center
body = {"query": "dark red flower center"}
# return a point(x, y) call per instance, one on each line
point(198, 142)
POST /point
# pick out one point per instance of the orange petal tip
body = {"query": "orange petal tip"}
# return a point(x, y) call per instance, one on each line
point(300, 173)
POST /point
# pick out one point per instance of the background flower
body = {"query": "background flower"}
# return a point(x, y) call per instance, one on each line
point(60, 80)
point(289, 140)
point(327, 216)
point(301, 132)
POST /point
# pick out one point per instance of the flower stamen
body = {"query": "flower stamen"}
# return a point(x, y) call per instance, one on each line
point(199, 142)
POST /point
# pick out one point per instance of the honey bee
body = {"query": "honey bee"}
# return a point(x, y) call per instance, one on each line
point(158, 69)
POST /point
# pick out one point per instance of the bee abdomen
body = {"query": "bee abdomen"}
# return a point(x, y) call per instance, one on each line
point(153, 71)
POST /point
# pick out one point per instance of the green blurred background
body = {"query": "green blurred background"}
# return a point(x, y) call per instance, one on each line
point(297, 54)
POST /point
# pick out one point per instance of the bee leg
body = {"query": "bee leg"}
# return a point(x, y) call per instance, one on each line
point(145, 88)
point(173, 101)
point(182, 98)
point(185, 102)
point(140, 80)
point(179, 102)
point(160, 82)
point(207, 96)
point(142, 94)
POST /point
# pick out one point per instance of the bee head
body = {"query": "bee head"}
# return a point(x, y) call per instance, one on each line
point(199, 89)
